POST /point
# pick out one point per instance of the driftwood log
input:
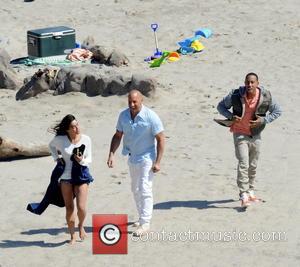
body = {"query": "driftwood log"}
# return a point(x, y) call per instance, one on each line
point(10, 149)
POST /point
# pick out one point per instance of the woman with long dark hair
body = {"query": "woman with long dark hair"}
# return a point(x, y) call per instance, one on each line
point(74, 150)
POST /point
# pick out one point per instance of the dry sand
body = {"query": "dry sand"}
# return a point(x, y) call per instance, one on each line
point(196, 188)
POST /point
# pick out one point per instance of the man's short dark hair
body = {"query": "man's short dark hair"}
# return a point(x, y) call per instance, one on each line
point(251, 74)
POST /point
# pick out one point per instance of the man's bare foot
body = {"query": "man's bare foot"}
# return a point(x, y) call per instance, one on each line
point(82, 233)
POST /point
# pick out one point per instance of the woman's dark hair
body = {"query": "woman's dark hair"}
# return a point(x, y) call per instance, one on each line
point(63, 126)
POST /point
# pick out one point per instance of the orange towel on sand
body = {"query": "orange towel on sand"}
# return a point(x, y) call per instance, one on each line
point(80, 54)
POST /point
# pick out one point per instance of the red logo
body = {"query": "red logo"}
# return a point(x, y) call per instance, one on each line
point(110, 233)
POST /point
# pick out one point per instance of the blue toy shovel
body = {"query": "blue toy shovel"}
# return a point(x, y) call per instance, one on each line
point(154, 27)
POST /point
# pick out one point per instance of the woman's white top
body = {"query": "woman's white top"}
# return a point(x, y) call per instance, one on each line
point(62, 144)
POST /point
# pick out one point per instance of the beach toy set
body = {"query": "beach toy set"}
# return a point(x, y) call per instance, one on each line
point(159, 56)
point(187, 46)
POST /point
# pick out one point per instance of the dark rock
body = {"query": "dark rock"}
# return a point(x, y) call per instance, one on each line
point(100, 53)
point(117, 58)
point(96, 85)
point(8, 79)
point(145, 85)
point(102, 80)
point(119, 85)
point(70, 80)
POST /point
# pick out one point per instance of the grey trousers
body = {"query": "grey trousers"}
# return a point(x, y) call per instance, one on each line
point(247, 152)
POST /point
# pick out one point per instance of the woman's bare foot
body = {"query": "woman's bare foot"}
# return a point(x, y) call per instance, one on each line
point(72, 241)
point(82, 233)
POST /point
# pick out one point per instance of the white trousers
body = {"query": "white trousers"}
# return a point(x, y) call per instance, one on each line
point(141, 187)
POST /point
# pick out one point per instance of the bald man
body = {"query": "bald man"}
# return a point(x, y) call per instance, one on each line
point(143, 142)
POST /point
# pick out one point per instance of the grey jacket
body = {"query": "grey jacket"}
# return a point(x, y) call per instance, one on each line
point(267, 107)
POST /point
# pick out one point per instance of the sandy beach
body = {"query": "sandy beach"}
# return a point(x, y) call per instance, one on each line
point(196, 188)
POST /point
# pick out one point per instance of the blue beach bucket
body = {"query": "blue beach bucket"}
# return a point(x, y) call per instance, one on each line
point(205, 32)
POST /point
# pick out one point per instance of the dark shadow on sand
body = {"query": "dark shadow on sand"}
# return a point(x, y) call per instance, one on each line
point(57, 231)
point(196, 204)
point(43, 244)
point(240, 209)
point(20, 244)
point(54, 231)
point(21, 158)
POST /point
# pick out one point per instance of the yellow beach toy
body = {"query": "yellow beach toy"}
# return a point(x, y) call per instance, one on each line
point(197, 45)
point(173, 56)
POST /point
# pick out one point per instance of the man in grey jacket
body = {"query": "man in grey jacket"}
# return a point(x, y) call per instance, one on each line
point(252, 108)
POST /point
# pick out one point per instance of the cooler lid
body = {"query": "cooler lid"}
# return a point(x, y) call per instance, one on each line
point(51, 31)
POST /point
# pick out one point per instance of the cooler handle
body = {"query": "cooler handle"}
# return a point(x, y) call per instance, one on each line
point(57, 35)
